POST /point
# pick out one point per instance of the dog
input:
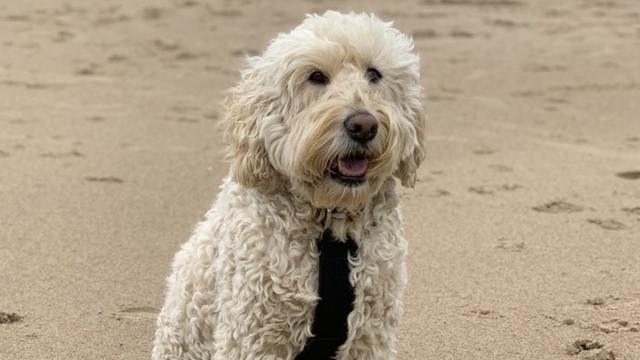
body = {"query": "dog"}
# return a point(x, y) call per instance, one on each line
point(302, 255)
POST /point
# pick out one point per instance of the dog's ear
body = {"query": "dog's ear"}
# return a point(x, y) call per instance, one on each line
point(408, 166)
point(248, 103)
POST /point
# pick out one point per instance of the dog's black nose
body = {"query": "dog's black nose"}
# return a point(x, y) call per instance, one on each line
point(361, 127)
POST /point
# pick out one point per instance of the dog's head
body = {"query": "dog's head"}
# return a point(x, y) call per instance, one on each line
point(333, 108)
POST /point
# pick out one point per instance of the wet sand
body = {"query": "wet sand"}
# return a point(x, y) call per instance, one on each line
point(524, 227)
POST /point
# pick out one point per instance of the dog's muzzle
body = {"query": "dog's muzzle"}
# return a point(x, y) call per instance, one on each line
point(351, 169)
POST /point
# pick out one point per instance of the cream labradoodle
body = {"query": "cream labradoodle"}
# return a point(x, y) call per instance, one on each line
point(302, 255)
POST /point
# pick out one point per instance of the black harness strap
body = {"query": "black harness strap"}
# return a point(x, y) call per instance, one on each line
point(330, 327)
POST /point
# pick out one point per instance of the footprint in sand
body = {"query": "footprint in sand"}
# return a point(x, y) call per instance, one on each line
point(607, 301)
point(244, 52)
point(116, 58)
point(558, 100)
point(62, 155)
point(213, 115)
point(629, 175)
point(225, 13)
point(166, 45)
point(106, 20)
point(608, 224)
point(9, 318)
point(96, 118)
point(545, 68)
point(500, 168)
point(633, 142)
point(188, 120)
point(153, 13)
point(17, 18)
point(182, 109)
point(105, 179)
point(219, 69)
point(591, 350)
point(483, 314)
point(597, 301)
point(632, 211)
point(436, 98)
point(478, 3)
point(484, 151)
point(581, 345)
point(557, 13)
point(501, 23)
point(140, 309)
point(458, 33)
point(391, 13)
point(4, 154)
point(189, 3)
point(62, 36)
point(440, 193)
point(138, 312)
point(189, 55)
point(490, 190)
point(481, 190)
point(527, 93)
point(425, 34)
point(558, 206)
point(28, 85)
point(601, 355)
point(616, 326)
point(510, 246)
point(88, 70)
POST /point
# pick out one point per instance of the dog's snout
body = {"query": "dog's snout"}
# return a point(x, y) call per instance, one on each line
point(361, 127)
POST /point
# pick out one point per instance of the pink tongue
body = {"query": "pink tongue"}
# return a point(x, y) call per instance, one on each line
point(353, 167)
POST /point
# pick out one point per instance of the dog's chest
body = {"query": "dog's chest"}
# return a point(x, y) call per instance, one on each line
point(337, 295)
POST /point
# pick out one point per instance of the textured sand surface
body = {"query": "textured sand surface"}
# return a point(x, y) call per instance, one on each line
point(524, 227)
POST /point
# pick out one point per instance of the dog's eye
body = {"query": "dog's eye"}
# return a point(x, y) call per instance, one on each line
point(318, 78)
point(373, 75)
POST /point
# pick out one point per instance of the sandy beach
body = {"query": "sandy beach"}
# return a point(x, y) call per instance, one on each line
point(524, 227)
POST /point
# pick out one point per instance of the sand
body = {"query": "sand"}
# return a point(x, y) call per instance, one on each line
point(524, 227)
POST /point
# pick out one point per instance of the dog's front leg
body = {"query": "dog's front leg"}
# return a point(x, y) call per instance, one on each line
point(247, 338)
point(259, 324)
point(265, 304)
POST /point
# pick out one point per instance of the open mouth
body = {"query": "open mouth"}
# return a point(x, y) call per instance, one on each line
point(351, 169)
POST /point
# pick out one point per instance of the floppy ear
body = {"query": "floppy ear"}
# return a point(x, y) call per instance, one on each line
point(249, 102)
point(408, 166)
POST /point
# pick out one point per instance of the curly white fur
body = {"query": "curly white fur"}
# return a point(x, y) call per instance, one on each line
point(244, 287)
